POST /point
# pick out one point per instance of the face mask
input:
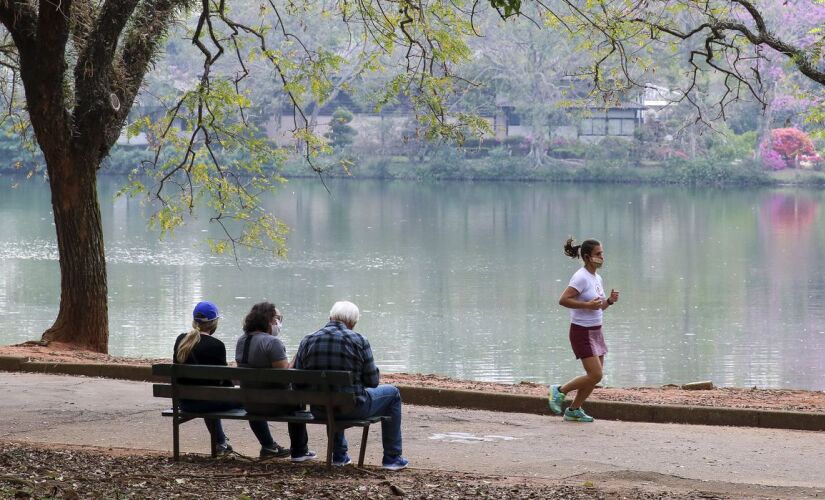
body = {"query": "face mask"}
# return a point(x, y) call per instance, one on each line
point(598, 261)
point(276, 328)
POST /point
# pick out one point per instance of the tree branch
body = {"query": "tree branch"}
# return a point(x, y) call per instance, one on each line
point(797, 55)
point(94, 73)
point(42, 70)
point(762, 37)
point(20, 20)
point(144, 34)
point(52, 36)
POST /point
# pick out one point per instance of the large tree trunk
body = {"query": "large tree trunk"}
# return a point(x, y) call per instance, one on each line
point(83, 316)
point(76, 117)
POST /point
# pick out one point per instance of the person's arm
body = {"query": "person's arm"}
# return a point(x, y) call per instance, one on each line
point(278, 354)
point(569, 300)
point(297, 362)
point(614, 295)
point(217, 356)
point(612, 299)
point(221, 355)
point(370, 374)
point(175, 349)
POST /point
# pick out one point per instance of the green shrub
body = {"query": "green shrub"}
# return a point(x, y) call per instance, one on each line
point(610, 150)
point(732, 146)
point(340, 133)
point(567, 149)
point(712, 172)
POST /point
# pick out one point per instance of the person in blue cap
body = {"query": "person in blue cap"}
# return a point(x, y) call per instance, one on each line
point(200, 347)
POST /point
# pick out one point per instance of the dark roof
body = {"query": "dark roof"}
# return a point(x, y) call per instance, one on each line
point(345, 100)
point(402, 106)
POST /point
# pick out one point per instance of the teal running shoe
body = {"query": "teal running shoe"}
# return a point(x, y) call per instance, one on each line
point(577, 415)
point(555, 398)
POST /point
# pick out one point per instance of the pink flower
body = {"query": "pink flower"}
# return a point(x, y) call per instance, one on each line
point(786, 147)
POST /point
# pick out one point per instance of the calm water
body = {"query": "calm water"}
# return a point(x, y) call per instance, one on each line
point(462, 279)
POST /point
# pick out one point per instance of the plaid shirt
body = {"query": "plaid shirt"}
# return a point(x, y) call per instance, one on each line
point(336, 347)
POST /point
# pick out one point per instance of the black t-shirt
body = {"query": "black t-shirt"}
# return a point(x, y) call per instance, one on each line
point(208, 351)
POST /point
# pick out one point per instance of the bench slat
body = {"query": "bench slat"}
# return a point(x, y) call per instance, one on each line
point(255, 396)
point(274, 375)
point(243, 415)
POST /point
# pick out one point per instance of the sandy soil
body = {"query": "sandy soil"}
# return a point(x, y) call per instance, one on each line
point(771, 399)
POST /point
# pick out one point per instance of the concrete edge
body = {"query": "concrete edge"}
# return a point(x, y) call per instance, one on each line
point(136, 373)
point(502, 402)
point(615, 410)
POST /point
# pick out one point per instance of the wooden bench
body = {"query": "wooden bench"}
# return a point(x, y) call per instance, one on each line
point(322, 390)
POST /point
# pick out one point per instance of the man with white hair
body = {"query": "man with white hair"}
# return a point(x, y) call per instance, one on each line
point(337, 347)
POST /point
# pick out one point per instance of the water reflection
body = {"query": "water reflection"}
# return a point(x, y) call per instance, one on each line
point(463, 279)
point(793, 295)
point(789, 214)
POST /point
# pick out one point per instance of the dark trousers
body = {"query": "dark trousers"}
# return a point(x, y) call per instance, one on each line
point(298, 437)
point(259, 427)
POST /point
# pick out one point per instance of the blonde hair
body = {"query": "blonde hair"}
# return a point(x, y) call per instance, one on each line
point(192, 338)
point(345, 312)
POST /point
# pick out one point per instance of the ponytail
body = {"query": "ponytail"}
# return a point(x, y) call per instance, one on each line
point(583, 250)
point(570, 250)
point(192, 338)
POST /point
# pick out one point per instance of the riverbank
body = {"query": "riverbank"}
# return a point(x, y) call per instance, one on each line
point(460, 166)
point(721, 397)
point(675, 171)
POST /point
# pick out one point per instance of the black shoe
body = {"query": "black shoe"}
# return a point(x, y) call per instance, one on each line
point(275, 450)
point(307, 455)
point(223, 449)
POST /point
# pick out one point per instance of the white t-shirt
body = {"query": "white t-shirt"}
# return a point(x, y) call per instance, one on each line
point(589, 287)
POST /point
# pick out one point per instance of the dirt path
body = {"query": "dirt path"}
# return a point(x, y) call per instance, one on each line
point(768, 399)
point(90, 437)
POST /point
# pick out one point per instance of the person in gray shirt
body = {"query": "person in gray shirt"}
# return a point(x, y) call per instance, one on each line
point(260, 347)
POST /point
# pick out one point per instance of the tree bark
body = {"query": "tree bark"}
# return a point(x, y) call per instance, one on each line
point(83, 316)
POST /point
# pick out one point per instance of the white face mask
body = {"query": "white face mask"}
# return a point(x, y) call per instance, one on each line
point(276, 328)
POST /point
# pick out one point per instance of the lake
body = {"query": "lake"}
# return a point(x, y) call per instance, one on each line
point(463, 279)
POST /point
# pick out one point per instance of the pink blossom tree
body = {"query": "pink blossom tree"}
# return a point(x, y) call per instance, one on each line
point(786, 148)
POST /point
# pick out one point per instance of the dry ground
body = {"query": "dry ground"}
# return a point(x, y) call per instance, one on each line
point(41, 472)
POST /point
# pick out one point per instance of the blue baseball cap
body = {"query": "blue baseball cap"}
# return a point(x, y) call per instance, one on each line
point(206, 311)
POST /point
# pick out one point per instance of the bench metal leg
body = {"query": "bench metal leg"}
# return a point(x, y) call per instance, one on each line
point(363, 451)
point(176, 439)
point(330, 440)
point(213, 440)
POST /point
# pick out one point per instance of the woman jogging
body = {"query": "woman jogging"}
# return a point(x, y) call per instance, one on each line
point(585, 298)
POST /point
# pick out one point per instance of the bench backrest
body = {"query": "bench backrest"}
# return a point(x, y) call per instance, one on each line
point(315, 387)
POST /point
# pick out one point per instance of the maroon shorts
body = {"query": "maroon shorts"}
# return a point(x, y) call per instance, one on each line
point(587, 341)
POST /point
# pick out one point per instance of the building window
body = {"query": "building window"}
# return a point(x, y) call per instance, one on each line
point(599, 126)
point(628, 127)
point(614, 127)
point(586, 126)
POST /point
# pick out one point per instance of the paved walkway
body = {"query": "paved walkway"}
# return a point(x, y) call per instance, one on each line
point(121, 414)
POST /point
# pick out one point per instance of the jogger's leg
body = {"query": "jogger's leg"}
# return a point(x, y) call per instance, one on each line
point(584, 384)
